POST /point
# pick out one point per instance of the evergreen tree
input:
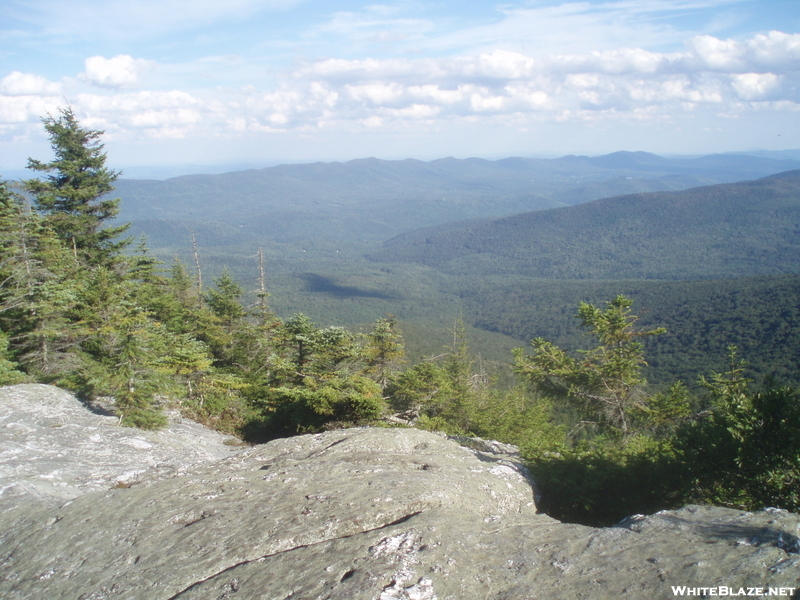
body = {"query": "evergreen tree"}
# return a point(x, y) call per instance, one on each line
point(606, 384)
point(71, 196)
point(384, 350)
point(40, 279)
point(224, 301)
point(445, 391)
point(9, 373)
point(745, 451)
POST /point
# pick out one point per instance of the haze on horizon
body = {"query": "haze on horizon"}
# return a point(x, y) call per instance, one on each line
point(176, 82)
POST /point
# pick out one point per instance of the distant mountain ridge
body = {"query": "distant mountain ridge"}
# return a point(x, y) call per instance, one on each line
point(725, 230)
point(371, 200)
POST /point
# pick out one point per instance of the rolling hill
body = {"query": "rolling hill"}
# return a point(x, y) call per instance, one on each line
point(726, 230)
point(369, 200)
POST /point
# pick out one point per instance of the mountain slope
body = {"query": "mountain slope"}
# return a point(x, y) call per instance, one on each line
point(728, 230)
point(369, 200)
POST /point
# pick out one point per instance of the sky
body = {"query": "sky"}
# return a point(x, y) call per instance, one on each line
point(205, 82)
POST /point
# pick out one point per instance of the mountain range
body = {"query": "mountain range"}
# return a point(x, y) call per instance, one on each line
point(370, 200)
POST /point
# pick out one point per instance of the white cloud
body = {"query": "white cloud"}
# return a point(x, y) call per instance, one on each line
point(18, 110)
point(499, 87)
point(379, 94)
point(25, 84)
point(775, 47)
point(502, 64)
point(414, 111)
point(157, 115)
point(754, 86)
point(435, 94)
point(25, 98)
point(772, 49)
point(717, 55)
point(121, 71)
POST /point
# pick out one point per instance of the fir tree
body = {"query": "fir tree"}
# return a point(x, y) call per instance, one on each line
point(40, 279)
point(607, 384)
point(384, 350)
point(71, 196)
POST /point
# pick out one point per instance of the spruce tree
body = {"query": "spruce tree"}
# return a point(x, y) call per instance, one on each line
point(606, 384)
point(71, 197)
point(384, 350)
point(40, 279)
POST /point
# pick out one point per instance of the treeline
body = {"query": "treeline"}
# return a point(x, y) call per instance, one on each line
point(81, 308)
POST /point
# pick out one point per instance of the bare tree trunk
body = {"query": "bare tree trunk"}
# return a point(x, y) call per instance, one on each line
point(199, 272)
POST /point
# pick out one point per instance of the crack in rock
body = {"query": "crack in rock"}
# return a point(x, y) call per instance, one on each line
point(401, 520)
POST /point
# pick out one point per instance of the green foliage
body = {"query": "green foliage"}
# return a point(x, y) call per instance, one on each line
point(517, 417)
point(449, 395)
point(146, 417)
point(606, 384)
point(760, 315)
point(71, 197)
point(216, 400)
point(384, 350)
point(224, 301)
point(752, 439)
point(419, 387)
point(348, 400)
point(39, 288)
point(443, 391)
point(313, 352)
point(664, 411)
point(601, 485)
point(122, 346)
point(9, 373)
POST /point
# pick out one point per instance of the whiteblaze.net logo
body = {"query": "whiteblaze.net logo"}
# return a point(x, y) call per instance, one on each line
point(723, 590)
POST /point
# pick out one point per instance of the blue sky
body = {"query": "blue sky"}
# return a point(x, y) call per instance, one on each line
point(252, 81)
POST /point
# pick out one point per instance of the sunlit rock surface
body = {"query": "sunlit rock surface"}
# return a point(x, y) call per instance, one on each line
point(365, 513)
point(53, 448)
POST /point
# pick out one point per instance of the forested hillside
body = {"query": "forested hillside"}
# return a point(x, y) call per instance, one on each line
point(370, 200)
point(727, 230)
point(759, 315)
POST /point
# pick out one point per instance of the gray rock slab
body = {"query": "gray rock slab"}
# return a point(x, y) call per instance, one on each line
point(376, 514)
point(52, 448)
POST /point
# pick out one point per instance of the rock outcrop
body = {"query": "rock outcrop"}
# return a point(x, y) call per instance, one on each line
point(53, 449)
point(366, 513)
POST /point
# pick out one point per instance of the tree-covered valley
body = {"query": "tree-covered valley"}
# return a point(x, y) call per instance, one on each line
point(661, 318)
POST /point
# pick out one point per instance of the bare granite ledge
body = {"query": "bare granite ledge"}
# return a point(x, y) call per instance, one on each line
point(367, 513)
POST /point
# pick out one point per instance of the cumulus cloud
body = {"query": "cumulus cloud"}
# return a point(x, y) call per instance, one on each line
point(121, 71)
point(25, 84)
point(25, 98)
point(172, 114)
point(499, 86)
point(752, 86)
point(711, 72)
point(17, 110)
